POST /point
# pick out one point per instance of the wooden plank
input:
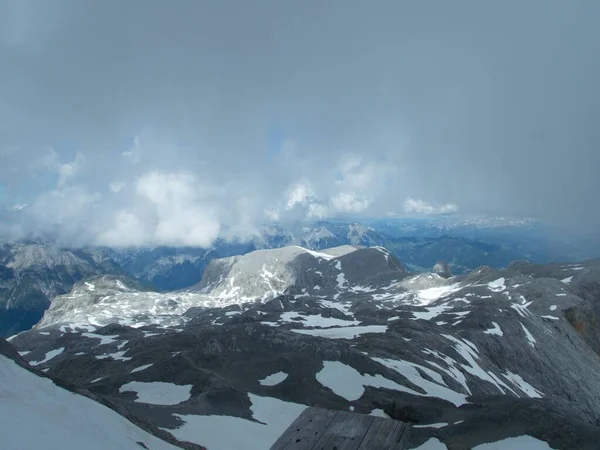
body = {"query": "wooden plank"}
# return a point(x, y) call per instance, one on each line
point(345, 432)
point(385, 434)
point(304, 432)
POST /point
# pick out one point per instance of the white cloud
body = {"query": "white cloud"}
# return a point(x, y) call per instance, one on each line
point(169, 209)
point(317, 211)
point(68, 171)
point(66, 214)
point(350, 202)
point(116, 186)
point(272, 214)
point(127, 231)
point(412, 205)
point(263, 118)
point(299, 194)
point(133, 154)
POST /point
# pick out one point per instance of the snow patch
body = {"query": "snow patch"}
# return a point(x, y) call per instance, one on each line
point(432, 444)
point(343, 332)
point(103, 339)
point(524, 442)
point(379, 413)
point(432, 425)
point(431, 294)
point(495, 330)
point(347, 382)
point(158, 392)
point(432, 312)
point(139, 369)
point(525, 387)
point(29, 417)
point(273, 379)
point(437, 389)
point(530, 337)
point(317, 321)
point(497, 285)
point(51, 354)
point(274, 416)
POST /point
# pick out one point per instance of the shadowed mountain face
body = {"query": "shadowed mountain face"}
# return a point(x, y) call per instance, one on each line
point(468, 359)
point(31, 275)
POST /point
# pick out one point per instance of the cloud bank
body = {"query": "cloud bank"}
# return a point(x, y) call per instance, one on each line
point(148, 122)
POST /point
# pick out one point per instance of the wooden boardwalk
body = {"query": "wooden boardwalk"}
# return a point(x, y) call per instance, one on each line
point(324, 429)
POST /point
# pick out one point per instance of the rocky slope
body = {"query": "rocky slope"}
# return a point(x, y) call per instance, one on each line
point(32, 274)
point(31, 400)
point(503, 356)
point(178, 268)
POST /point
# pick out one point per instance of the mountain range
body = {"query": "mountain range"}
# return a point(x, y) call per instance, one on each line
point(33, 273)
point(496, 358)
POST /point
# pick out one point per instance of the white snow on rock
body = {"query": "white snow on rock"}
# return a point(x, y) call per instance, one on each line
point(349, 383)
point(103, 339)
point(519, 382)
point(343, 332)
point(344, 307)
point(530, 337)
point(139, 369)
point(432, 312)
point(51, 354)
point(29, 417)
point(431, 294)
point(553, 308)
point(567, 280)
point(524, 442)
point(432, 389)
point(495, 330)
point(379, 413)
point(550, 317)
point(469, 353)
point(432, 425)
point(497, 285)
point(341, 280)
point(227, 432)
point(273, 379)
point(521, 309)
point(158, 392)
point(431, 444)
point(317, 321)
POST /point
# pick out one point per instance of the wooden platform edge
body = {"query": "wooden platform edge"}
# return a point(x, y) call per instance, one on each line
point(324, 428)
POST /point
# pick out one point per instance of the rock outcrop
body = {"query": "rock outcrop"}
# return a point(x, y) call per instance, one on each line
point(470, 359)
point(442, 269)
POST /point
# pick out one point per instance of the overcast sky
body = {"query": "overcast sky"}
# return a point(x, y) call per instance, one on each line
point(142, 122)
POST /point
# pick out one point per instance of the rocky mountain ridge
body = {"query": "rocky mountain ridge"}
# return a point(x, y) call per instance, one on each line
point(471, 359)
point(32, 274)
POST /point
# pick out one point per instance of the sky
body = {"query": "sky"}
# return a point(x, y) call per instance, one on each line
point(151, 122)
